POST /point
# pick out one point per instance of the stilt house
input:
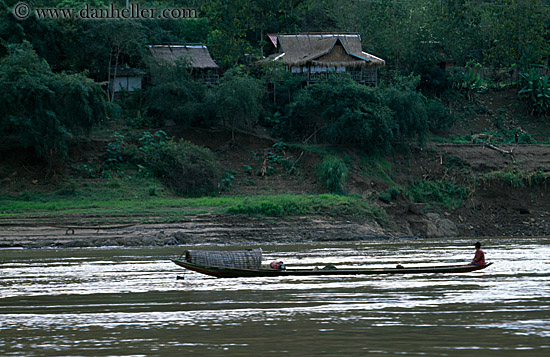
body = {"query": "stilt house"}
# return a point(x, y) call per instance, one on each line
point(315, 55)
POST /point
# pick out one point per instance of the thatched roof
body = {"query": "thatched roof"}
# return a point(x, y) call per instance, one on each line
point(323, 49)
point(197, 55)
point(238, 259)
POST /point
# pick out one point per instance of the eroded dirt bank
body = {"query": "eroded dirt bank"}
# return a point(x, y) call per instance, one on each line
point(494, 207)
point(199, 229)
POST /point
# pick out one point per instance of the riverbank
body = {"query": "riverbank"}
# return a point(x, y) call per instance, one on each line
point(173, 221)
point(194, 229)
point(441, 190)
point(468, 184)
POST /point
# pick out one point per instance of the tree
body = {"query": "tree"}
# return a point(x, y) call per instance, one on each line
point(511, 26)
point(341, 111)
point(229, 21)
point(124, 38)
point(186, 168)
point(238, 27)
point(175, 95)
point(238, 99)
point(42, 109)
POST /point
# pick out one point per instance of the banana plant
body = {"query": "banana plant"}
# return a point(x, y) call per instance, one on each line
point(543, 95)
point(536, 89)
point(530, 84)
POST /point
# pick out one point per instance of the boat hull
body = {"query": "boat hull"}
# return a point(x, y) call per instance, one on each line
point(221, 272)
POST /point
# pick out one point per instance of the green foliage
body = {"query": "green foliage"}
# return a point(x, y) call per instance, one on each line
point(114, 203)
point(376, 166)
point(468, 81)
point(186, 168)
point(265, 208)
point(150, 141)
point(237, 98)
point(43, 109)
point(227, 181)
point(406, 34)
point(332, 172)
point(490, 32)
point(443, 193)
point(239, 27)
point(341, 111)
point(434, 81)
point(516, 178)
point(409, 108)
point(390, 194)
point(282, 87)
point(115, 151)
point(285, 205)
point(507, 27)
point(536, 90)
point(439, 116)
point(175, 95)
point(526, 138)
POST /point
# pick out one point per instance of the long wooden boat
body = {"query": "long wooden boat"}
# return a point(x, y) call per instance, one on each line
point(222, 272)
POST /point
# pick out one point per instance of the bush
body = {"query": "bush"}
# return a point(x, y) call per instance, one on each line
point(391, 194)
point(175, 95)
point(439, 116)
point(536, 90)
point(264, 208)
point(42, 109)
point(526, 138)
point(186, 168)
point(238, 99)
point(341, 111)
point(332, 174)
point(443, 193)
point(409, 109)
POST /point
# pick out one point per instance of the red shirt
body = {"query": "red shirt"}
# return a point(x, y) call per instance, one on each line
point(479, 258)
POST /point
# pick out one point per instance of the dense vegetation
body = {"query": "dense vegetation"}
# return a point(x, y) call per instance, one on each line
point(53, 73)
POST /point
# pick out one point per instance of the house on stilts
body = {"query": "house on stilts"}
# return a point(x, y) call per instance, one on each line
point(314, 56)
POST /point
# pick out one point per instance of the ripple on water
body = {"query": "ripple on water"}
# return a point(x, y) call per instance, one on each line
point(127, 301)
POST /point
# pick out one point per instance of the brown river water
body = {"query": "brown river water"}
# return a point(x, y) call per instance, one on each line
point(128, 302)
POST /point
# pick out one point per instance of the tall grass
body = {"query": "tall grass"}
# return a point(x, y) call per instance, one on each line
point(261, 205)
point(332, 172)
point(447, 194)
point(516, 178)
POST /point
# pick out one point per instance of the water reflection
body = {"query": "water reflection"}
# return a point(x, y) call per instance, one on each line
point(128, 302)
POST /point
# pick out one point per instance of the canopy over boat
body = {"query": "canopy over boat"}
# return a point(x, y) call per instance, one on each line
point(237, 259)
point(248, 264)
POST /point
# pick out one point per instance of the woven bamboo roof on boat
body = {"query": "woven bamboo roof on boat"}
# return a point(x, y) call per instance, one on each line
point(238, 259)
point(197, 55)
point(324, 49)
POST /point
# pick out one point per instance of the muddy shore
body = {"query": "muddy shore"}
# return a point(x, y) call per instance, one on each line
point(207, 229)
point(411, 222)
point(494, 208)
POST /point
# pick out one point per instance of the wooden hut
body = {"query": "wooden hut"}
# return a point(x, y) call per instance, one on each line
point(202, 66)
point(315, 55)
point(125, 80)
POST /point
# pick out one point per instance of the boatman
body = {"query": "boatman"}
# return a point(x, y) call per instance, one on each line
point(479, 258)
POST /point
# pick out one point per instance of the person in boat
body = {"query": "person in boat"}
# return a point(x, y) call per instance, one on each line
point(479, 257)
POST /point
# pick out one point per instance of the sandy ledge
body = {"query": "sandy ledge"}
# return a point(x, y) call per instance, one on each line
point(221, 229)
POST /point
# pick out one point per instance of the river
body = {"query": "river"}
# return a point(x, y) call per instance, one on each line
point(128, 302)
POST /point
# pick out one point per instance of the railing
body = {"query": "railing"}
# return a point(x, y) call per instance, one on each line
point(212, 79)
point(364, 77)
